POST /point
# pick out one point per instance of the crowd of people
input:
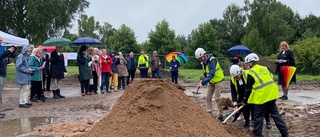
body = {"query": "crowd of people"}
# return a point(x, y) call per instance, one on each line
point(112, 71)
point(37, 72)
point(252, 87)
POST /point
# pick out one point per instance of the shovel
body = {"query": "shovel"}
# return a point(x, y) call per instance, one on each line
point(234, 112)
point(197, 91)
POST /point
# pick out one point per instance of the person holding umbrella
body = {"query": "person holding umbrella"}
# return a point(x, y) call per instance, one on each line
point(236, 59)
point(57, 70)
point(284, 58)
point(262, 91)
point(213, 76)
point(85, 72)
point(174, 66)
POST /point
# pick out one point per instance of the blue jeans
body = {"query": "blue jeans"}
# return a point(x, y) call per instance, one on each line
point(105, 80)
point(156, 71)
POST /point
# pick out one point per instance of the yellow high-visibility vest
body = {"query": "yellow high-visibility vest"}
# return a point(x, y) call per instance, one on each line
point(143, 59)
point(218, 75)
point(264, 89)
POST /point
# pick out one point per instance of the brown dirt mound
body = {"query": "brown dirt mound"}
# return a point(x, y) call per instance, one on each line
point(157, 108)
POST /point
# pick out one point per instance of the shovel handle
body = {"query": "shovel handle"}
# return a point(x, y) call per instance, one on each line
point(234, 112)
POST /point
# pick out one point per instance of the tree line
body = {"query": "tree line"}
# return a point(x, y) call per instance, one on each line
point(260, 25)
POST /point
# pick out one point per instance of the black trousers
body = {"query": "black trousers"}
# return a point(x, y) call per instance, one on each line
point(122, 82)
point(174, 77)
point(36, 89)
point(84, 86)
point(249, 109)
point(132, 73)
point(259, 113)
point(46, 80)
point(144, 72)
point(94, 87)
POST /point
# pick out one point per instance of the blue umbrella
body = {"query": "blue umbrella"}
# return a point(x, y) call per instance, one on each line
point(86, 40)
point(239, 49)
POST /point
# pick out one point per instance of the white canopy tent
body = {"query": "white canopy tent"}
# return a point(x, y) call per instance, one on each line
point(9, 40)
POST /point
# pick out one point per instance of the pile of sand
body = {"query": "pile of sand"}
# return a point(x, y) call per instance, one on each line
point(158, 108)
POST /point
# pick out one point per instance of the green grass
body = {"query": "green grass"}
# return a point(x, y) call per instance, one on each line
point(188, 74)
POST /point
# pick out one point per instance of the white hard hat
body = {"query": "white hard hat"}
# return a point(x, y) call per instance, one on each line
point(199, 52)
point(235, 70)
point(251, 57)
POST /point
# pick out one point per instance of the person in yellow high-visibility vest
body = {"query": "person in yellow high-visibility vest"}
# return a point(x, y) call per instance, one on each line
point(212, 76)
point(143, 64)
point(238, 89)
point(262, 91)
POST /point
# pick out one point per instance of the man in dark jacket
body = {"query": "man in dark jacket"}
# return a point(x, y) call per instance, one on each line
point(57, 70)
point(131, 66)
point(3, 71)
point(155, 63)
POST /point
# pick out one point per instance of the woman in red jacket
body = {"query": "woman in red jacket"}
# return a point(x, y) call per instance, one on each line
point(106, 62)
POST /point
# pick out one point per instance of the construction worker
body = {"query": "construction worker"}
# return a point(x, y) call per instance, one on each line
point(262, 91)
point(143, 64)
point(238, 89)
point(212, 76)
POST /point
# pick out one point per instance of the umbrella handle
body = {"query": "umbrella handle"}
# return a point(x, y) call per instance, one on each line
point(234, 112)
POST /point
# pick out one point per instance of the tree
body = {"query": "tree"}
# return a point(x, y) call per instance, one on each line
point(124, 40)
point(38, 20)
point(88, 27)
point(253, 41)
point(310, 22)
point(222, 34)
point(204, 36)
point(234, 19)
point(182, 40)
point(273, 20)
point(105, 32)
point(163, 38)
point(307, 52)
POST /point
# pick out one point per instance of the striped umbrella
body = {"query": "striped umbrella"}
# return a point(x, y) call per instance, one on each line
point(179, 57)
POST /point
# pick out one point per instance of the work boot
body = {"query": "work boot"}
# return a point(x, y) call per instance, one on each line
point(23, 106)
point(284, 97)
point(41, 98)
point(220, 118)
point(268, 125)
point(59, 95)
point(34, 99)
point(55, 96)
point(246, 127)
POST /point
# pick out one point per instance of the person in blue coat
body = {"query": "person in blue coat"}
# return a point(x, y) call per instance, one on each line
point(23, 76)
point(114, 74)
point(174, 66)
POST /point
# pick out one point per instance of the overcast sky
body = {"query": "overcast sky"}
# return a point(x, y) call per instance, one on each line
point(182, 15)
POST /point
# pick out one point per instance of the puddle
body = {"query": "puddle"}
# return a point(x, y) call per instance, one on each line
point(12, 128)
